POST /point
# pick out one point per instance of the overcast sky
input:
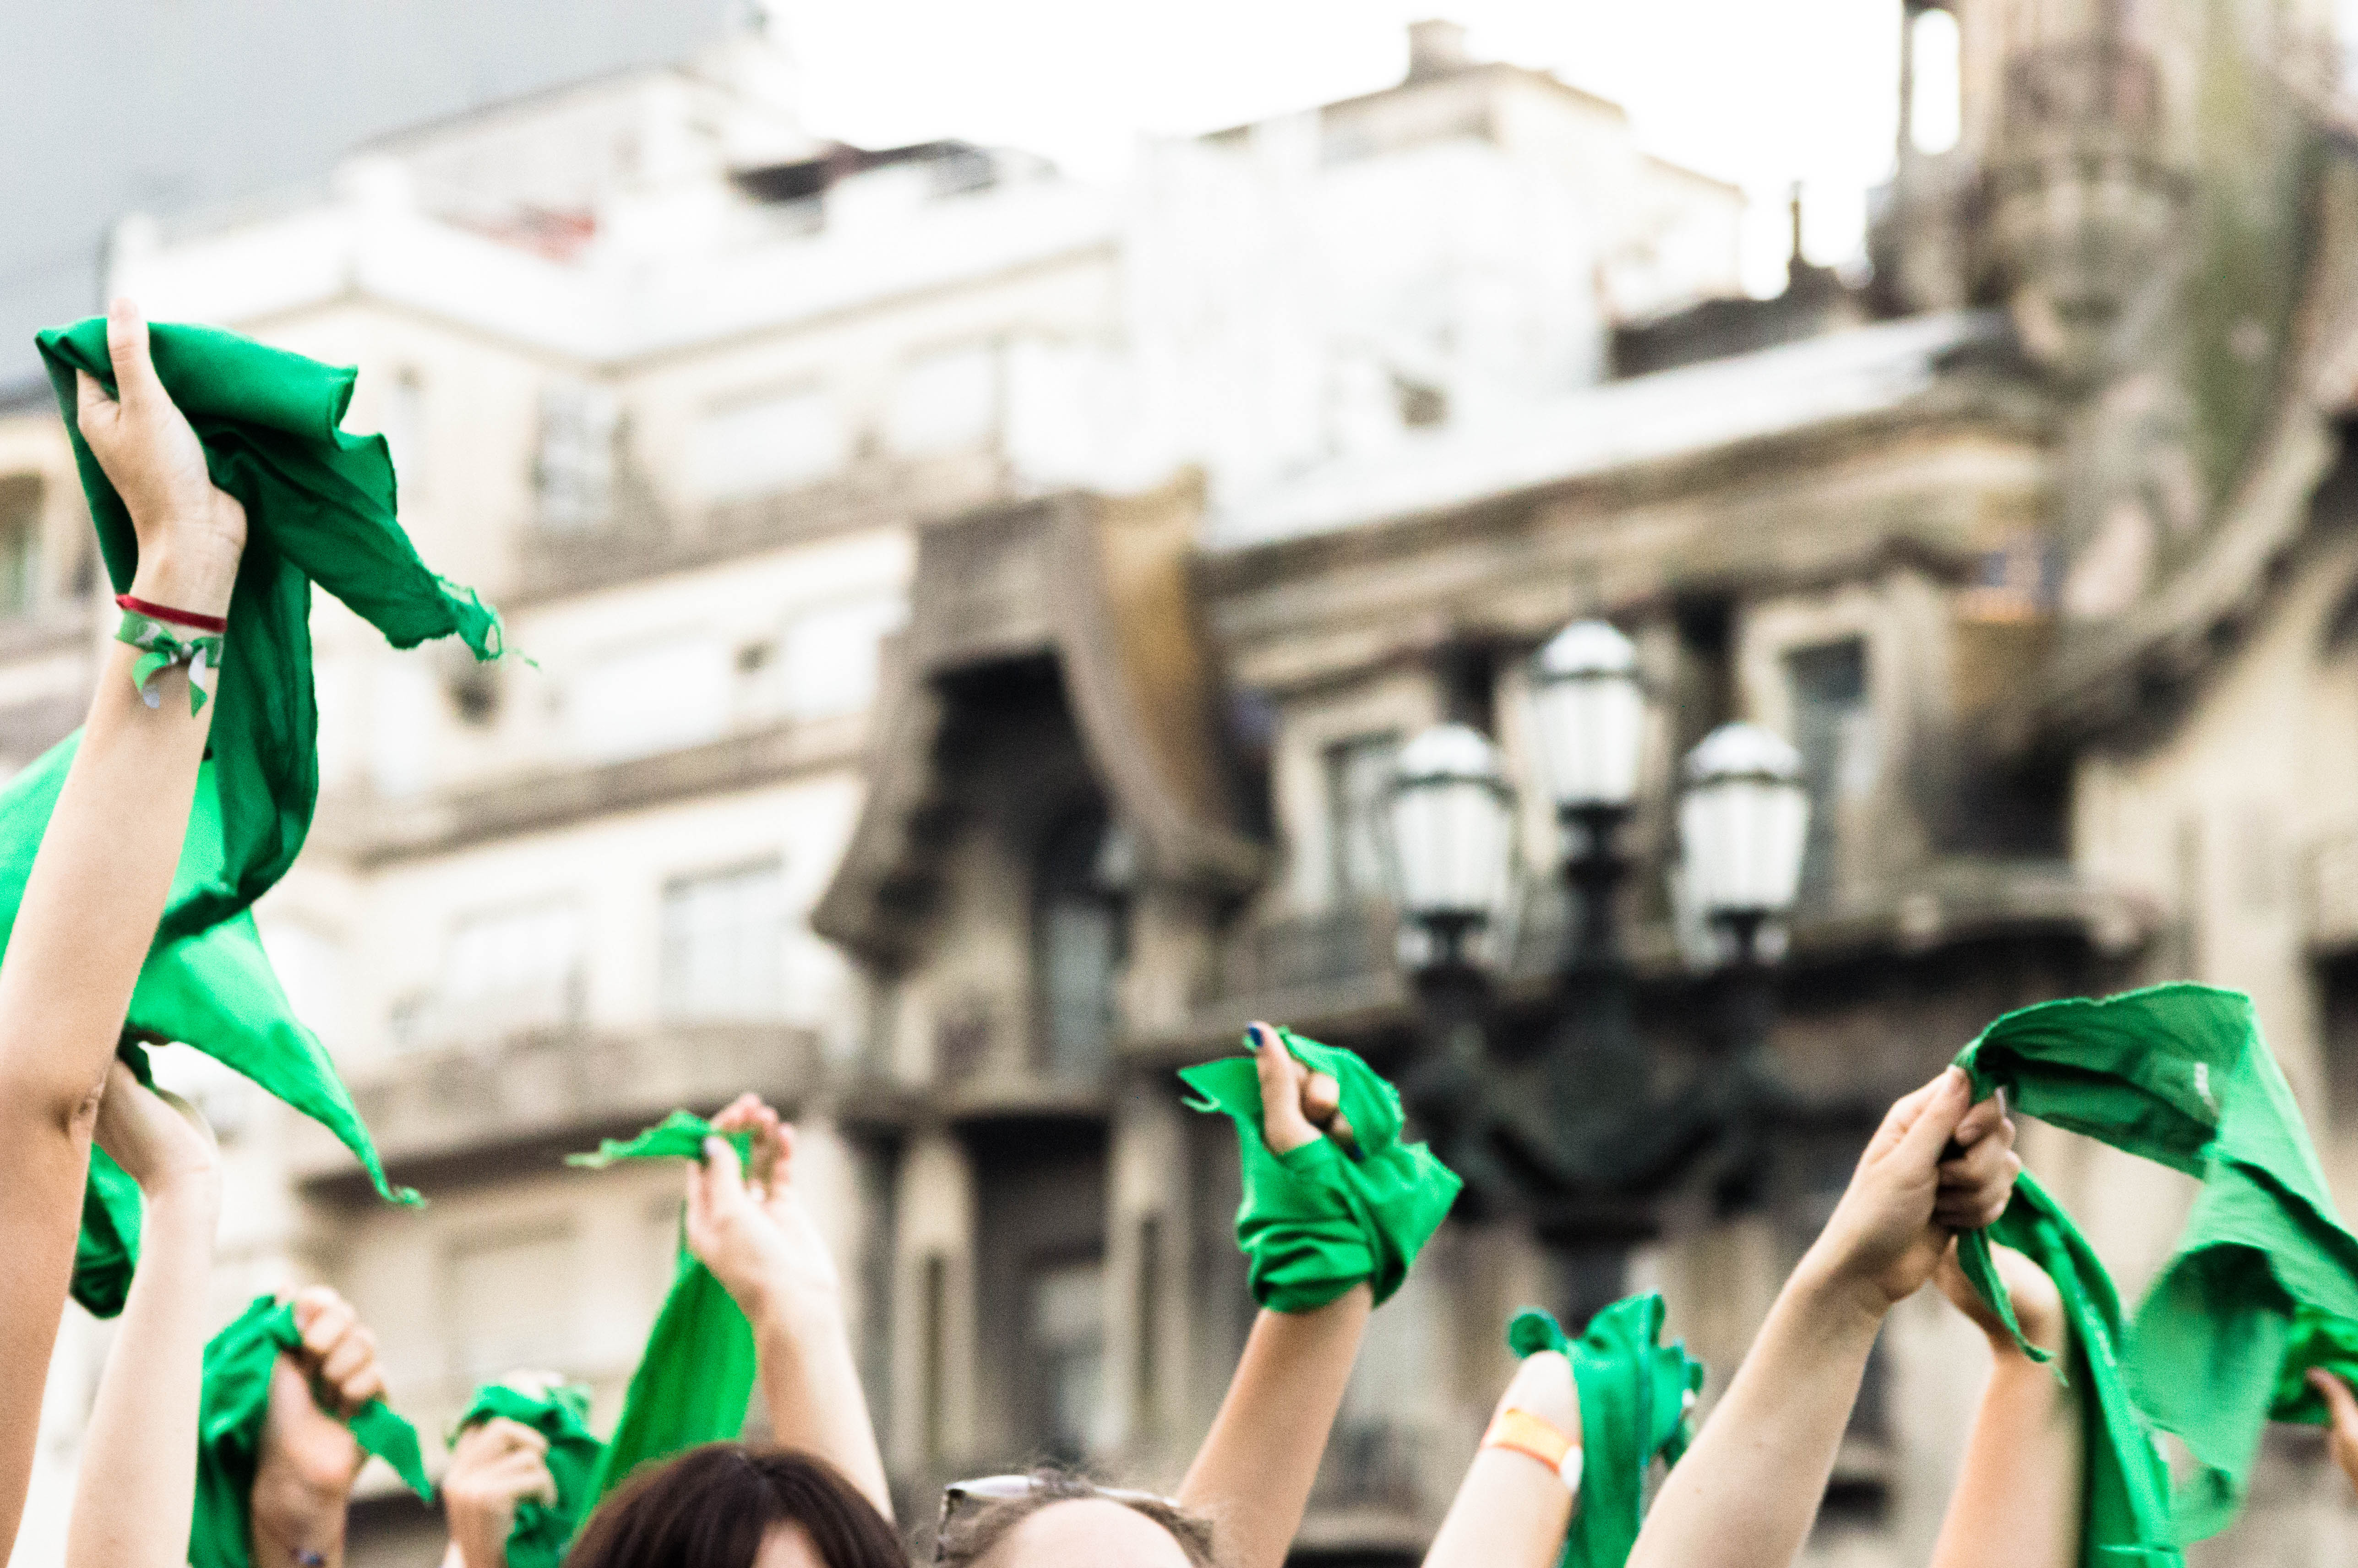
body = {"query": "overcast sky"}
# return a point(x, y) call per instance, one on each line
point(212, 100)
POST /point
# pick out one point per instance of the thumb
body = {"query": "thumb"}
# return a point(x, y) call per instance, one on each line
point(1951, 1099)
point(126, 345)
point(724, 1178)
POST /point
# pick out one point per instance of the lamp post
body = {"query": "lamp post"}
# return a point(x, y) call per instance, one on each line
point(1580, 1130)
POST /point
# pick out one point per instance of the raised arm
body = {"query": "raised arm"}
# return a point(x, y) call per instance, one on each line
point(2342, 1441)
point(760, 1243)
point(1512, 1510)
point(97, 885)
point(1254, 1473)
point(2016, 1502)
point(1746, 1493)
point(142, 1440)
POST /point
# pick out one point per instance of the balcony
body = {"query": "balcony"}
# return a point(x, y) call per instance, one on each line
point(533, 1096)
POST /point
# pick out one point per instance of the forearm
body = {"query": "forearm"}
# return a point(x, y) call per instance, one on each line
point(2016, 1503)
point(815, 1403)
point(98, 884)
point(1511, 1511)
point(1746, 1494)
point(295, 1523)
point(1254, 1472)
point(142, 1440)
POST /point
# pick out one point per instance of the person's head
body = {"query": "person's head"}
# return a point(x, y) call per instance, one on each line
point(1049, 1520)
point(726, 1506)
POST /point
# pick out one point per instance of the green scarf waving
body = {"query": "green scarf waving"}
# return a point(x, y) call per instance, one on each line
point(1317, 1221)
point(2179, 1074)
point(1635, 1396)
point(561, 1414)
point(239, 1364)
point(697, 1372)
point(319, 507)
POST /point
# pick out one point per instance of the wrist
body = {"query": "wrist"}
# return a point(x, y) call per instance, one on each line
point(1839, 1298)
point(193, 566)
point(294, 1526)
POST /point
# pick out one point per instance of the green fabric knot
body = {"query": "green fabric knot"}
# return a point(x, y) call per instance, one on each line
point(239, 1364)
point(561, 1414)
point(1636, 1396)
point(161, 648)
point(1317, 1221)
point(696, 1373)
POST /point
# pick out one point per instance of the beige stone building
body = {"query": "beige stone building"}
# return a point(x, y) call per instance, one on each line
point(973, 614)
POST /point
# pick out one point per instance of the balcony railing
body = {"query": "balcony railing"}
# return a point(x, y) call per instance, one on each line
point(530, 1091)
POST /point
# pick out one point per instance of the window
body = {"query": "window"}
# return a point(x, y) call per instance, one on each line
point(656, 696)
point(1358, 783)
point(1935, 82)
point(724, 945)
point(1078, 940)
point(831, 657)
point(769, 444)
point(20, 544)
point(945, 401)
point(574, 478)
point(1834, 731)
point(512, 970)
point(1065, 1323)
point(506, 1316)
point(1146, 1386)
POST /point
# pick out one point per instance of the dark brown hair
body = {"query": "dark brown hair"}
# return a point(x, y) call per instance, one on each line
point(711, 1506)
point(968, 1537)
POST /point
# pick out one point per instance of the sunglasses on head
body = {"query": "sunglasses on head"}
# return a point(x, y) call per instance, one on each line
point(1001, 1489)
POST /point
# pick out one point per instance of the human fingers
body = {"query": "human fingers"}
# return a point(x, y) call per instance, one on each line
point(1903, 1114)
point(322, 1317)
point(1283, 1126)
point(1920, 1144)
point(723, 1178)
point(128, 347)
point(1986, 1118)
point(351, 1360)
point(2337, 1400)
point(524, 1475)
point(1979, 1194)
point(94, 411)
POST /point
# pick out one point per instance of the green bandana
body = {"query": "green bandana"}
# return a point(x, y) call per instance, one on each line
point(319, 506)
point(1635, 1393)
point(2125, 1506)
point(2179, 1074)
point(1317, 1221)
point(562, 1416)
point(697, 1372)
point(236, 1400)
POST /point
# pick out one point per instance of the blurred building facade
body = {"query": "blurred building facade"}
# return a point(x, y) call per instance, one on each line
point(972, 614)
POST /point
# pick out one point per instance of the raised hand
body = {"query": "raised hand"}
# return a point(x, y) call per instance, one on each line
point(2038, 1305)
point(495, 1465)
point(309, 1457)
point(750, 1226)
point(1906, 1201)
point(152, 456)
point(156, 1137)
point(2343, 1443)
point(1297, 1106)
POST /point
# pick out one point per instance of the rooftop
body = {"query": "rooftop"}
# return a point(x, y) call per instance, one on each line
point(1649, 418)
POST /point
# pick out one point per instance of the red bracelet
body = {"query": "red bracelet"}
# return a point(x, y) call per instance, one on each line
point(177, 617)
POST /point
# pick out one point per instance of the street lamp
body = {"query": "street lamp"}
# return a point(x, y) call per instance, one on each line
point(1450, 816)
point(1588, 720)
point(1743, 824)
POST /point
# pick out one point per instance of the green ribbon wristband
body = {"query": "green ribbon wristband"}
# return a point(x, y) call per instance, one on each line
point(161, 648)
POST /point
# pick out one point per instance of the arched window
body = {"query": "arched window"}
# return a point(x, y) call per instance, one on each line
point(1080, 941)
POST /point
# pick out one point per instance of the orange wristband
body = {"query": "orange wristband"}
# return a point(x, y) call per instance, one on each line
point(1534, 1435)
